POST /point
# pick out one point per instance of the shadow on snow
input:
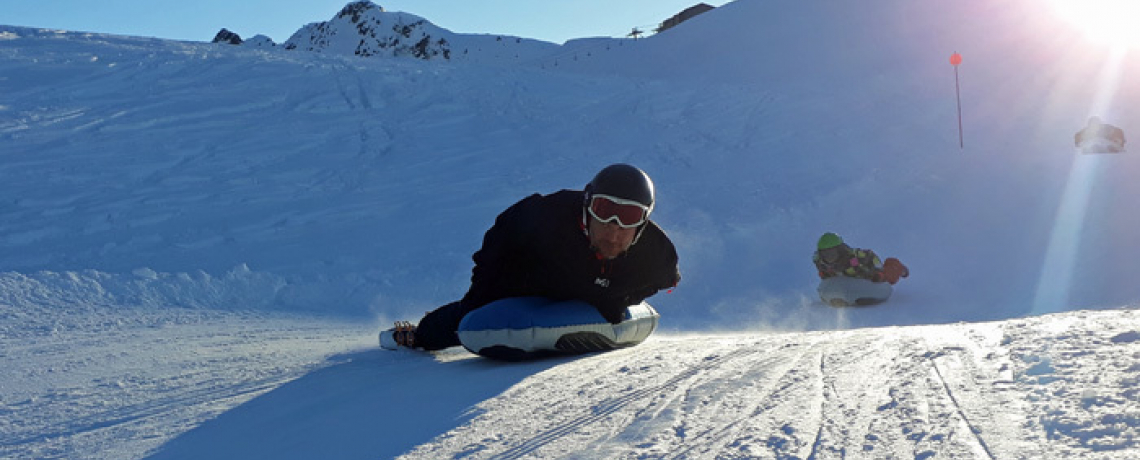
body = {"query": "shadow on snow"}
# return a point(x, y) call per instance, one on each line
point(371, 404)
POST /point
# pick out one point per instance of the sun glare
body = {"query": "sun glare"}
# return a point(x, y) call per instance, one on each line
point(1109, 22)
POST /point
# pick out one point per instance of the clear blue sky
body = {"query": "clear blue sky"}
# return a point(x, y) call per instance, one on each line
point(198, 20)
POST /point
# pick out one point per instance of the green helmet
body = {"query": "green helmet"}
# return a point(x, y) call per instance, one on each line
point(829, 240)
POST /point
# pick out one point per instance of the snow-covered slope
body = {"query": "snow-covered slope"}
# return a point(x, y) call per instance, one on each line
point(1054, 387)
point(328, 172)
point(175, 383)
point(188, 226)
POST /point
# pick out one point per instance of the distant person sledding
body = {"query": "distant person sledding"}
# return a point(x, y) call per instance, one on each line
point(853, 276)
point(1099, 137)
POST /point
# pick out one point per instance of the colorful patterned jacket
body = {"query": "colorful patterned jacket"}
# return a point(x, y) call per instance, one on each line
point(852, 262)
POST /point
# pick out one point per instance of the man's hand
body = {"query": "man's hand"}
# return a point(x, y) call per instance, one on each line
point(614, 316)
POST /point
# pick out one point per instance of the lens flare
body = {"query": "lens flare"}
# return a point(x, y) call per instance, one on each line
point(1109, 22)
point(1062, 253)
point(1064, 243)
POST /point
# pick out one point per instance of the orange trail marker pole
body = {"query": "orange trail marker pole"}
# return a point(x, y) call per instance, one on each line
point(956, 59)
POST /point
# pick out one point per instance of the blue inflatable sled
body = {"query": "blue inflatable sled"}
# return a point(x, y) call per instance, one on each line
point(530, 327)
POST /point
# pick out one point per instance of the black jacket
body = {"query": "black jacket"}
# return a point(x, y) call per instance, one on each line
point(537, 247)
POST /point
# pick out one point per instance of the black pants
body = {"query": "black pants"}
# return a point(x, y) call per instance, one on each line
point(437, 330)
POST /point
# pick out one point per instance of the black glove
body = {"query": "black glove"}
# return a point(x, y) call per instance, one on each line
point(613, 315)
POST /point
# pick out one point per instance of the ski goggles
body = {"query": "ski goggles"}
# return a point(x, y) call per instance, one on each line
point(832, 254)
point(829, 255)
point(625, 213)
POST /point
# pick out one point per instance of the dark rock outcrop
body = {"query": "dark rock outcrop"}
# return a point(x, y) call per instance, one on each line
point(227, 37)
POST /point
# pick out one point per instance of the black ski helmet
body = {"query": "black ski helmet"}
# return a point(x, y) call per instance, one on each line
point(622, 181)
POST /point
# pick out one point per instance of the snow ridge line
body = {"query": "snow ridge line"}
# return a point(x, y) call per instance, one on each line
point(828, 390)
point(733, 427)
point(961, 413)
point(135, 412)
point(607, 408)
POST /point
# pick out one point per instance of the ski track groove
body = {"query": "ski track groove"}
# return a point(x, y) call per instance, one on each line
point(825, 396)
point(866, 375)
point(732, 428)
point(133, 412)
point(606, 408)
point(958, 408)
point(917, 400)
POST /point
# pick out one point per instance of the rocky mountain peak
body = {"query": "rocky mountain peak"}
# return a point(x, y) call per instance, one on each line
point(225, 36)
point(364, 29)
point(354, 10)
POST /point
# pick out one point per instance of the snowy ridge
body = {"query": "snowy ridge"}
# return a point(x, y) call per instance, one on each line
point(238, 288)
point(364, 29)
point(378, 32)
